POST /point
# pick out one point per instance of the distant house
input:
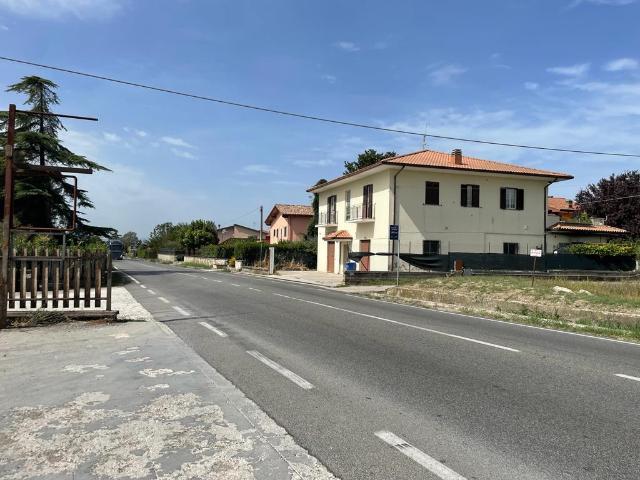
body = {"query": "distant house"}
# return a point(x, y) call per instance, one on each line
point(288, 222)
point(564, 228)
point(238, 231)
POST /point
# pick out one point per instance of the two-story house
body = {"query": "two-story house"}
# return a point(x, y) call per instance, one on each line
point(288, 222)
point(442, 203)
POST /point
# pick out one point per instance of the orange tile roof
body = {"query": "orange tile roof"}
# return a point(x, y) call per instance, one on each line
point(339, 235)
point(287, 209)
point(433, 159)
point(559, 204)
point(584, 228)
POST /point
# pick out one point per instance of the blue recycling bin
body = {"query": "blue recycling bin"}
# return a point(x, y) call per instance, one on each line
point(350, 266)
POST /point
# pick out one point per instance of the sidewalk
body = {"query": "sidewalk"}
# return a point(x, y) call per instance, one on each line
point(322, 279)
point(130, 400)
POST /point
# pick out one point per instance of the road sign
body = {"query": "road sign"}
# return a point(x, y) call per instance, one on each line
point(394, 232)
point(535, 252)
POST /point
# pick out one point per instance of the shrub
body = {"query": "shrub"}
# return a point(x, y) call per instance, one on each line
point(47, 317)
point(604, 249)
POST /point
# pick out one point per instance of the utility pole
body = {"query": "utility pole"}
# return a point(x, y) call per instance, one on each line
point(260, 228)
point(8, 214)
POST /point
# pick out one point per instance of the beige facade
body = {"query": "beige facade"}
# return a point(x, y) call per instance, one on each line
point(482, 229)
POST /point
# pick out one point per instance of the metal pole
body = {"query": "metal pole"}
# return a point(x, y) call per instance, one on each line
point(533, 274)
point(398, 264)
point(8, 212)
point(260, 228)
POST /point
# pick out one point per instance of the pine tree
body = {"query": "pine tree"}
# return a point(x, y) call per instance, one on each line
point(45, 200)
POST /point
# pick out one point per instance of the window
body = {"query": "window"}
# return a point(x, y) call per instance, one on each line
point(331, 209)
point(511, 198)
point(431, 247)
point(432, 193)
point(510, 248)
point(347, 205)
point(285, 232)
point(367, 201)
point(470, 196)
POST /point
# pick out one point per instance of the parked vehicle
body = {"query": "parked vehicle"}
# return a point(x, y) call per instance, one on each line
point(116, 248)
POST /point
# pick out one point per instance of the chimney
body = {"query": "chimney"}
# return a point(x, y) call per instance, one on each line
point(457, 156)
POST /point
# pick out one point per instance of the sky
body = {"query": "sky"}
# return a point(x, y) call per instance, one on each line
point(558, 73)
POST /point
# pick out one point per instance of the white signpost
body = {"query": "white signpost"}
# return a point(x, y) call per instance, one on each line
point(535, 253)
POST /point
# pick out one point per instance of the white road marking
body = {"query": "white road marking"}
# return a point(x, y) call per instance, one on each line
point(301, 382)
point(204, 278)
point(438, 469)
point(628, 377)
point(255, 289)
point(395, 322)
point(152, 292)
point(162, 299)
point(495, 320)
point(213, 329)
point(235, 285)
point(131, 278)
point(142, 286)
point(181, 311)
point(214, 280)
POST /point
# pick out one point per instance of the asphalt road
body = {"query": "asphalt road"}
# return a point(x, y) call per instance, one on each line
point(383, 391)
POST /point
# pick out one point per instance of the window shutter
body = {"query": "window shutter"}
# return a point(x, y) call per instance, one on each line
point(503, 198)
point(475, 196)
point(463, 195)
point(520, 199)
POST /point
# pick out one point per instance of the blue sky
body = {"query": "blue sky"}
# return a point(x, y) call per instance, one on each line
point(562, 73)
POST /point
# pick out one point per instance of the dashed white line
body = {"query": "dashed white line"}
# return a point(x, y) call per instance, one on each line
point(213, 329)
point(204, 278)
point(255, 289)
point(438, 469)
point(301, 382)
point(142, 286)
point(131, 278)
point(628, 377)
point(162, 299)
point(235, 285)
point(395, 322)
point(181, 311)
point(151, 292)
point(217, 281)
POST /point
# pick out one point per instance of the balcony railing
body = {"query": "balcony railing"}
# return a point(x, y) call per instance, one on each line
point(327, 218)
point(362, 213)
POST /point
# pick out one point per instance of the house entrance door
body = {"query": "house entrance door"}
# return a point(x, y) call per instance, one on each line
point(331, 253)
point(365, 246)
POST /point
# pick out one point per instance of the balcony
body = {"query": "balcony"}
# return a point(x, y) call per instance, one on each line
point(326, 219)
point(362, 213)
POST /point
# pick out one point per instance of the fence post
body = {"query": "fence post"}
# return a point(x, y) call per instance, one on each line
point(76, 279)
point(56, 279)
point(45, 280)
point(109, 271)
point(23, 280)
point(98, 276)
point(87, 281)
point(34, 280)
point(12, 279)
point(66, 277)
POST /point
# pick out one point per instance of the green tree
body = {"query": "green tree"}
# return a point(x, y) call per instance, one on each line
point(197, 234)
point(366, 158)
point(129, 241)
point(312, 231)
point(616, 199)
point(45, 200)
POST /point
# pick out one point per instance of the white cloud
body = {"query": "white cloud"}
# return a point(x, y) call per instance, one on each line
point(347, 46)
point(445, 74)
point(571, 70)
point(323, 162)
point(622, 64)
point(258, 168)
point(81, 9)
point(531, 85)
point(329, 78)
point(140, 133)
point(183, 154)
point(613, 3)
point(176, 142)
point(111, 137)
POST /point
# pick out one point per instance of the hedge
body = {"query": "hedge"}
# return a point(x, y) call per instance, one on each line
point(248, 250)
point(604, 249)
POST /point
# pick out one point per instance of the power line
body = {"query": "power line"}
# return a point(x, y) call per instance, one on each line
point(607, 200)
point(312, 117)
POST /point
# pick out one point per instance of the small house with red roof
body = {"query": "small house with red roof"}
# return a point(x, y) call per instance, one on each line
point(288, 222)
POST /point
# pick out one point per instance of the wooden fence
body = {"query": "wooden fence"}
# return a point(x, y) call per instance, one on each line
point(47, 279)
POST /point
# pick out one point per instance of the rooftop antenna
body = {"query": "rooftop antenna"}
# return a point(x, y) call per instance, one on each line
point(424, 137)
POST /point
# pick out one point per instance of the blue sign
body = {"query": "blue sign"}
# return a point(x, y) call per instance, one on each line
point(394, 232)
